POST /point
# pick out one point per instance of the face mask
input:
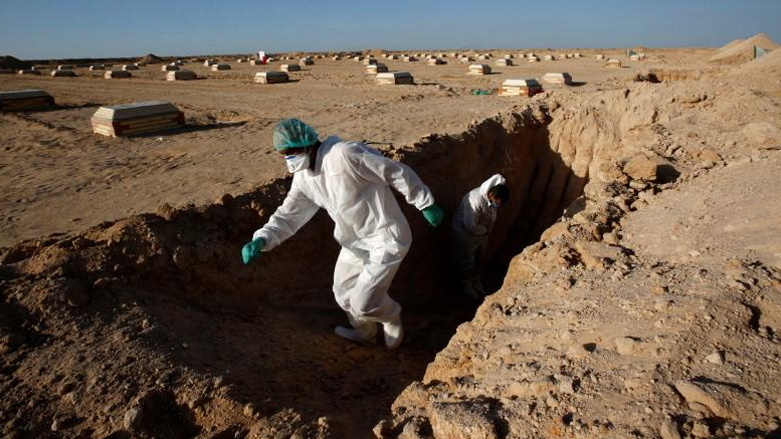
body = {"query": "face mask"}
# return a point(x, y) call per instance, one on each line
point(297, 163)
point(494, 205)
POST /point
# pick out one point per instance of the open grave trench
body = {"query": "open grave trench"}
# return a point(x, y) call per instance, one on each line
point(172, 284)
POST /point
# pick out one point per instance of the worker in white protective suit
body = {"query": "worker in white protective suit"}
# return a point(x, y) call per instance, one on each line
point(353, 183)
point(472, 224)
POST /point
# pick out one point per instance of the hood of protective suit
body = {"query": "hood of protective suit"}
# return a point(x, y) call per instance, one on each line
point(496, 179)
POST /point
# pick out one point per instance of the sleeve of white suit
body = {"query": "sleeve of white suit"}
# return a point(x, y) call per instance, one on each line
point(295, 211)
point(372, 166)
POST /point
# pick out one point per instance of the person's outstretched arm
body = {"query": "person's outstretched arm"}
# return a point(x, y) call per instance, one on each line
point(372, 166)
point(295, 211)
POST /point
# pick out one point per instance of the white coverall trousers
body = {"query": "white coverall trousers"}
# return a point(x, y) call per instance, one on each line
point(362, 278)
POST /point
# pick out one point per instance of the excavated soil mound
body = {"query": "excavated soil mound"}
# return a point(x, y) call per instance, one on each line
point(738, 52)
point(9, 62)
point(151, 59)
point(764, 69)
point(651, 309)
point(762, 73)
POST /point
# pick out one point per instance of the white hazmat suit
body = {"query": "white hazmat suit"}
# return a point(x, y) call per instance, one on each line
point(472, 224)
point(352, 182)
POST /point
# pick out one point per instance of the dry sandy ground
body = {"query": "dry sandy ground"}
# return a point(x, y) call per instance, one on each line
point(642, 299)
point(51, 162)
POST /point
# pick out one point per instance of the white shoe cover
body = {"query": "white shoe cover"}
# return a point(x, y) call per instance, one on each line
point(355, 336)
point(394, 333)
point(363, 332)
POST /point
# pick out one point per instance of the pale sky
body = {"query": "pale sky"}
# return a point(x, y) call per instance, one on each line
point(35, 29)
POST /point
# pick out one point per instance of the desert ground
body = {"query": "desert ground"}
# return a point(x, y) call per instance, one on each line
point(635, 276)
point(83, 179)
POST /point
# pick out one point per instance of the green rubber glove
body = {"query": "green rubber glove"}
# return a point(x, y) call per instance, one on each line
point(433, 215)
point(251, 250)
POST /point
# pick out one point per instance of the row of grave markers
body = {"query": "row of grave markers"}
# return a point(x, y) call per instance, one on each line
point(272, 77)
point(507, 60)
point(434, 59)
point(146, 117)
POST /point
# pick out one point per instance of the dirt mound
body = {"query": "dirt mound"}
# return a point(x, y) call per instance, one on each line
point(731, 44)
point(9, 62)
point(656, 75)
point(151, 59)
point(587, 326)
point(766, 67)
point(374, 52)
point(761, 73)
point(741, 51)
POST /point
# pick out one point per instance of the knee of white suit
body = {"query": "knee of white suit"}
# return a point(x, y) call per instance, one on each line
point(364, 303)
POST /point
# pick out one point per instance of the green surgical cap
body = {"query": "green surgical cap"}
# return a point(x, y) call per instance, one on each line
point(292, 133)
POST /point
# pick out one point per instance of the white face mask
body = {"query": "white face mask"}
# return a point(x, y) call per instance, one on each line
point(297, 163)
